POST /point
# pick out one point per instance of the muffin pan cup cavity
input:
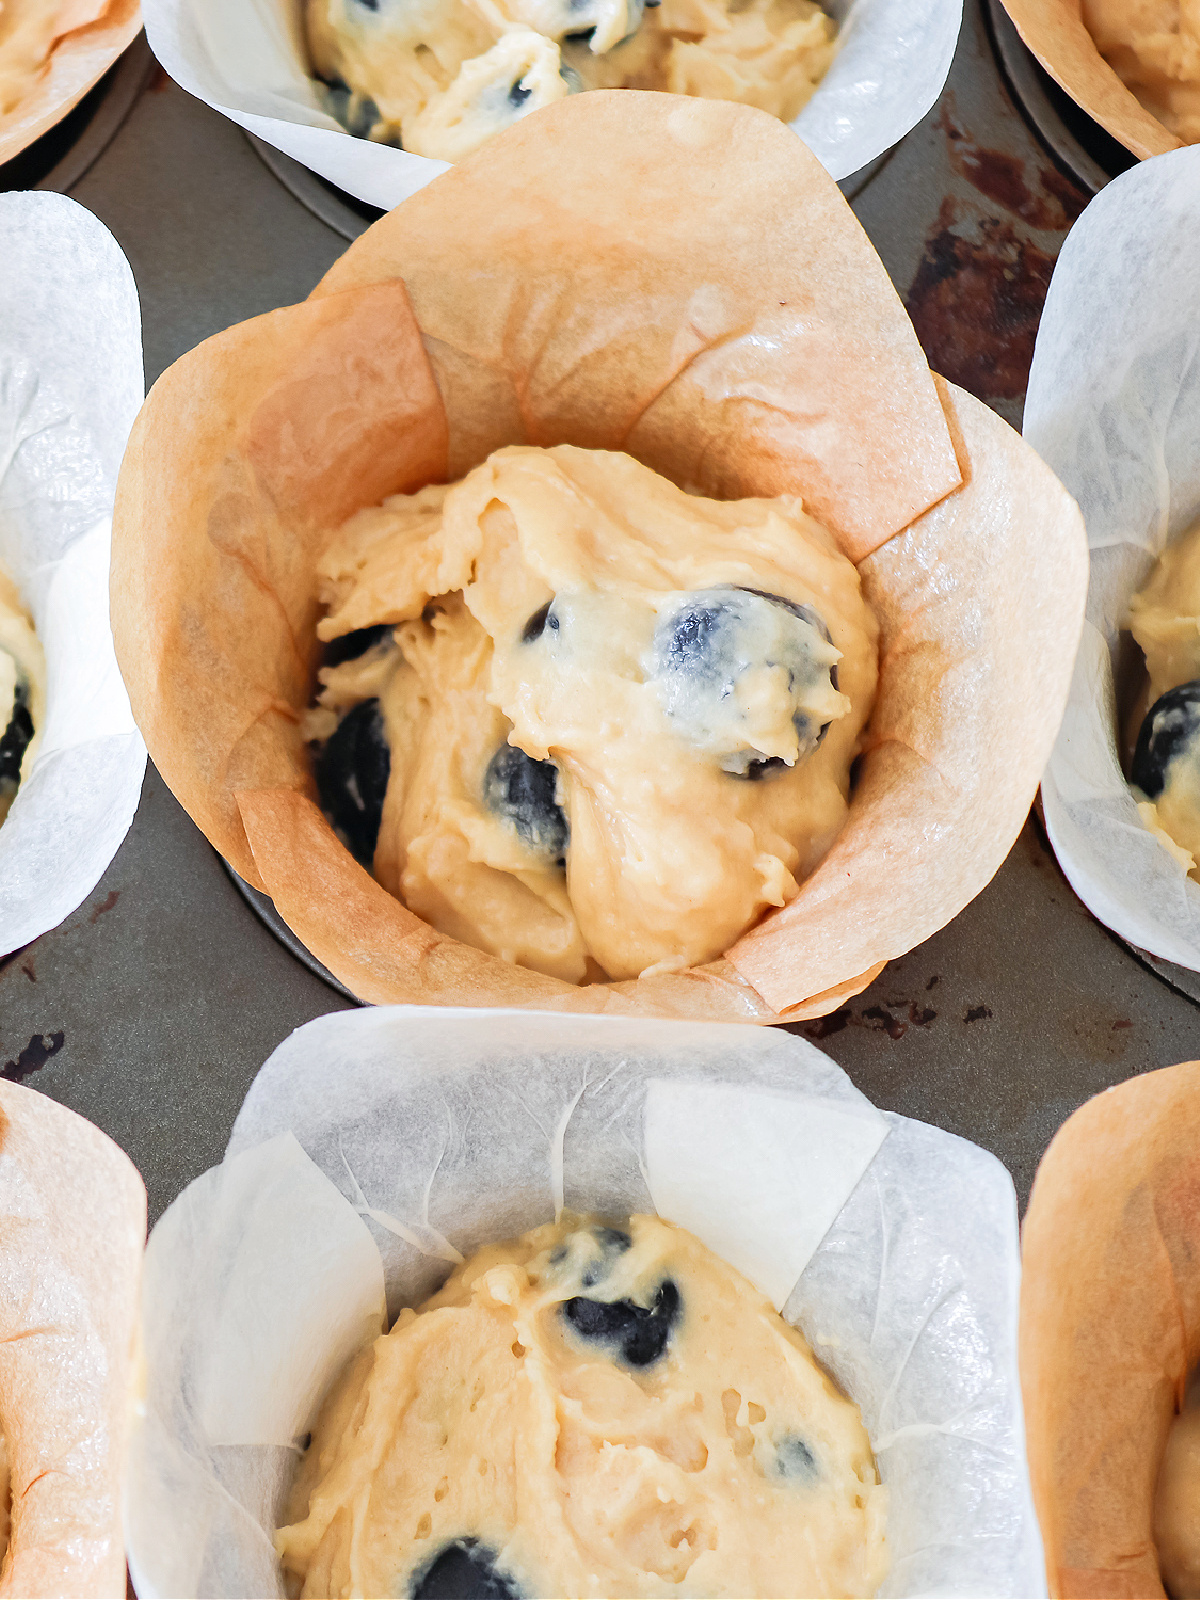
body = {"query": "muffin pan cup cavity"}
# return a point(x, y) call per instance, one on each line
point(247, 59)
point(78, 60)
point(70, 387)
point(375, 1146)
point(72, 1225)
point(726, 322)
point(1110, 1325)
point(1114, 407)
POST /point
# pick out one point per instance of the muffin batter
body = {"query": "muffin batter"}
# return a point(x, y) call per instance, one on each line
point(22, 693)
point(438, 77)
point(1177, 1504)
point(29, 30)
point(589, 1410)
point(583, 720)
point(1154, 48)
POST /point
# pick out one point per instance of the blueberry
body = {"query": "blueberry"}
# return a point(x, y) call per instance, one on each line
point(465, 1570)
point(612, 1242)
point(794, 1460)
point(640, 1333)
point(523, 791)
point(16, 738)
point(708, 642)
point(538, 623)
point(352, 645)
point(357, 113)
point(1168, 734)
point(352, 778)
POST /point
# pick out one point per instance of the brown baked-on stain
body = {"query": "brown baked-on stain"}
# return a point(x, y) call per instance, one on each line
point(105, 905)
point(977, 1013)
point(879, 1018)
point(34, 1056)
point(976, 301)
point(832, 1022)
point(977, 296)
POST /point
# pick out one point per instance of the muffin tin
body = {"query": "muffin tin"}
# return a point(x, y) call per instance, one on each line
point(150, 1009)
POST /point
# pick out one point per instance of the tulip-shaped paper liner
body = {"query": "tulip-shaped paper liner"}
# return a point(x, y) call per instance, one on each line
point(1114, 407)
point(376, 1147)
point(94, 35)
point(1055, 31)
point(70, 387)
point(700, 295)
point(72, 1225)
point(1110, 1325)
point(248, 59)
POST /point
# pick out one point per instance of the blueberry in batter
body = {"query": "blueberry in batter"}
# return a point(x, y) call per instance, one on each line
point(523, 792)
point(1169, 733)
point(352, 778)
point(465, 1570)
point(638, 1334)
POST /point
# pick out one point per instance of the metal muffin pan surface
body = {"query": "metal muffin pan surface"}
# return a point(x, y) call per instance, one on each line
point(151, 1008)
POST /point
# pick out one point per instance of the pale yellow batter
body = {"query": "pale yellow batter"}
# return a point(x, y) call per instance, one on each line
point(1177, 1504)
point(438, 77)
point(598, 1410)
point(29, 30)
point(22, 692)
point(1154, 48)
point(669, 659)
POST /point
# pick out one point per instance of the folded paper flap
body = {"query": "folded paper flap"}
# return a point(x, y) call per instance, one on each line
point(1110, 1319)
point(78, 60)
point(72, 1224)
point(244, 456)
point(1054, 30)
point(446, 1129)
point(980, 604)
point(699, 293)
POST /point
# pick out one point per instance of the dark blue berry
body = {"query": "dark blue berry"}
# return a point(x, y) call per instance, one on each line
point(16, 738)
point(638, 1333)
point(352, 645)
point(518, 95)
point(1169, 733)
point(352, 778)
point(795, 1461)
point(524, 792)
point(465, 1570)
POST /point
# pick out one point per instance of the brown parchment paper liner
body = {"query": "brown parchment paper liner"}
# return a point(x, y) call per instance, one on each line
point(1054, 30)
point(682, 280)
point(78, 61)
point(72, 1227)
point(1110, 1324)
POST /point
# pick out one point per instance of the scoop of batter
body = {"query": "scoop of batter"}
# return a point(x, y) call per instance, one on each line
point(583, 720)
point(1154, 48)
point(588, 1410)
point(438, 77)
point(22, 693)
point(1165, 620)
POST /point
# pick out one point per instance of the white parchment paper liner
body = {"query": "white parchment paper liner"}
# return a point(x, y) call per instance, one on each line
point(375, 1144)
point(246, 58)
point(1114, 408)
point(70, 387)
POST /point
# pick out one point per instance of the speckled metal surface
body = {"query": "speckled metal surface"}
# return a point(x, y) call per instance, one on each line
point(151, 1008)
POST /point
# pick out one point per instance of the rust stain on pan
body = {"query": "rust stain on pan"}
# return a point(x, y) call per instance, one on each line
point(34, 1056)
point(977, 295)
point(105, 905)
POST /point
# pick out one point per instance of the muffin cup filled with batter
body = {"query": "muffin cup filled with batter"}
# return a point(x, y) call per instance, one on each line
point(71, 759)
point(379, 1150)
point(1110, 1341)
point(1114, 407)
point(72, 1225)
point(1134, 68)
point(279, 68)
point(51, 54)
point(736, 346)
